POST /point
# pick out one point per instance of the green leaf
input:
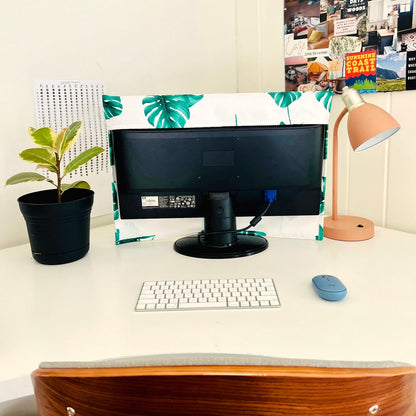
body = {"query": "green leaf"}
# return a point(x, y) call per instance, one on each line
point(77, 184)
point(40, 156)
point(25, 177)
point(58, 141)
point(325, 97)
point(45, 136)
point(169, 111)
point(50, 168)
point(284, 99)
point(71, 135)
point(112, 106)
point(82, 158)
point(192, 99)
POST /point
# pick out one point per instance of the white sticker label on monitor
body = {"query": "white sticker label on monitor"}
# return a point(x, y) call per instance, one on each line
point(150, 201)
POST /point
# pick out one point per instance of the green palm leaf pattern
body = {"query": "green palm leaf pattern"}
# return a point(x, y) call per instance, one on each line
point(112, 106)
point(325, 97)
point(115, 201)
point(320, 235)
point(322, 205)
point(110, 150)
point(169, 111)
point(284, 99)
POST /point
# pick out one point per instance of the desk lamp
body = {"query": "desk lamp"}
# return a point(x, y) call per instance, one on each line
point(367, 126)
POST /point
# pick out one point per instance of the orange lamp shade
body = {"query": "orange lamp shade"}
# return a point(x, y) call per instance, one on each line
point(369, 125)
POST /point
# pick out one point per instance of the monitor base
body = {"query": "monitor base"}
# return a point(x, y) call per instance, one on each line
point(246, 245)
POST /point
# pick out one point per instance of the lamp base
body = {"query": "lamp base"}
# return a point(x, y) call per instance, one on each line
point(348, 228)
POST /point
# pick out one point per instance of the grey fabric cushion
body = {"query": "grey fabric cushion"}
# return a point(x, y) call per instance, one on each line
point(216, 359)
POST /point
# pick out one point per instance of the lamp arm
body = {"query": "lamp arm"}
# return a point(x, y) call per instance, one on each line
point(335, 164)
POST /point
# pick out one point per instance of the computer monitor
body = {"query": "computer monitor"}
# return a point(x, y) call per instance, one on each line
point(219, 173)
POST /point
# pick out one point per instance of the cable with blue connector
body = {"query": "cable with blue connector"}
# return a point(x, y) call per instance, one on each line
point(270, 195)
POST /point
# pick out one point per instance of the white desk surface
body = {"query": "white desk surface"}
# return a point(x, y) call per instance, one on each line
point(85, 310)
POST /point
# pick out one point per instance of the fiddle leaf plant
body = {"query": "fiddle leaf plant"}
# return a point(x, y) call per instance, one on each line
point(49, 154)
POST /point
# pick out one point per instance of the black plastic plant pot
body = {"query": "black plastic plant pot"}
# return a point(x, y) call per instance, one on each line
point(58, 232)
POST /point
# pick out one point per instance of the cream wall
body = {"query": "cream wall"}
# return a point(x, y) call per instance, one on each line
point(134, 46)
point(167, 46)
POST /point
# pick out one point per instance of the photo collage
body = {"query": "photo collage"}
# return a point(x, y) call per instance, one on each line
point(369, 45)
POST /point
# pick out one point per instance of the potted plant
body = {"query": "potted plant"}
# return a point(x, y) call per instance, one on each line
point(57, 220)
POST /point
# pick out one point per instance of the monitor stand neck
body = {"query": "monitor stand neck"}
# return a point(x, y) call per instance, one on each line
point(220, 238)
point(220, 223)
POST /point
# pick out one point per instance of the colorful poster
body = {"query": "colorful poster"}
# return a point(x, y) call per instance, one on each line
point(360, 71)
point(321, 34)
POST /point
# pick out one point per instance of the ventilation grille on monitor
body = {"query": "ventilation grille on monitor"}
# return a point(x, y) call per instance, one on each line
point(59, 103)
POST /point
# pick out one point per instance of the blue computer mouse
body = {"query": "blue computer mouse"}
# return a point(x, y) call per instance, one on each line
point(329, 287)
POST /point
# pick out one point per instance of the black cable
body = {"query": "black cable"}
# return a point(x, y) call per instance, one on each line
point(253, 223)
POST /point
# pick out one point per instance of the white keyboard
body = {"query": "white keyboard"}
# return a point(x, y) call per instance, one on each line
point(208, 294)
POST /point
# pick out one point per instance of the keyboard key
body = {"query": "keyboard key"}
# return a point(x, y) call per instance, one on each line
point(266, 297)
point(203, 305)
point(208, 294)
point(149, 301)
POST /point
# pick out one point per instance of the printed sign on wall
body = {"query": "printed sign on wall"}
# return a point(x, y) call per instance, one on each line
point(369, 45)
